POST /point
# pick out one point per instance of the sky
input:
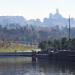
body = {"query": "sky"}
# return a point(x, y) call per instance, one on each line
point(33, 9)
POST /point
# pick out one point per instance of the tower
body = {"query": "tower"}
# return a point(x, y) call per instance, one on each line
point(57, 11)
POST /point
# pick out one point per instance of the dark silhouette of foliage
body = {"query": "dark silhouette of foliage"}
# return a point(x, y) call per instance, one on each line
point(63, 44)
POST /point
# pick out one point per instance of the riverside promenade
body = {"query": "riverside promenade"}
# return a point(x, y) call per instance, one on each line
point(61, 55)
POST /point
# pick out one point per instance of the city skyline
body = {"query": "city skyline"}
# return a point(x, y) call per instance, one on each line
point(33, 9)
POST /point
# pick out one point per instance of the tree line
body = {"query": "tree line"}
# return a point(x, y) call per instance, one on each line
point(61, 44)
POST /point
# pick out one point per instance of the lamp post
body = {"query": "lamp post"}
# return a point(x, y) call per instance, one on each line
point(69, 28)
point(69, 32)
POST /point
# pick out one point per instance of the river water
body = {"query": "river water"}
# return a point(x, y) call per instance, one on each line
point(25, 66)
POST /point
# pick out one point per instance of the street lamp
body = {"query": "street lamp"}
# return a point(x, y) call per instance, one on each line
point(69, 32)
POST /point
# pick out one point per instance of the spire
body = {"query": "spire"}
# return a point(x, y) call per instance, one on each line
point(57, 11)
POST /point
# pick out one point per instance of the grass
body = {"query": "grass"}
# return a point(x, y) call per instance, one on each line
point(17, 47)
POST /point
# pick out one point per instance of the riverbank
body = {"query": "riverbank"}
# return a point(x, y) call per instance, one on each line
point(17, 47)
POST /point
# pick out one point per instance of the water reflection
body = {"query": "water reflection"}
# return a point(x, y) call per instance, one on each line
point(24, 66)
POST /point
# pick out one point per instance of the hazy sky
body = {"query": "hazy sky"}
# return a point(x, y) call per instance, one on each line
point(32, 9)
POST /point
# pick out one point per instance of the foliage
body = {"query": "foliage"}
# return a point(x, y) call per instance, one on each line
point(72, 44)
point(56, 44)
point(31, 34)
point(63, 44)
point(44, 45)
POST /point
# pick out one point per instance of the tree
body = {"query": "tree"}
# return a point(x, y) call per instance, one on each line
point(64, 43)
point(72, 44)
point(56, 44)
point(50, 44)
point(43, 45)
